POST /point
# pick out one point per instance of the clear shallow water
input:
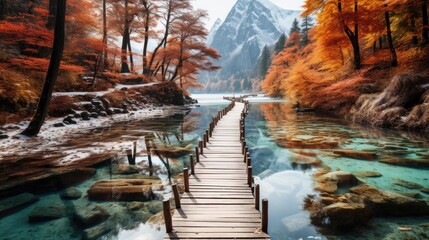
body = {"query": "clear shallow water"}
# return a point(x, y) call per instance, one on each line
point(269, 128)
point(124, 221)
point(286, 185)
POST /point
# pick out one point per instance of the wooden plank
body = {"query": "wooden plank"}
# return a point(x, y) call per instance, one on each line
point(214, 230)
point(216, 235)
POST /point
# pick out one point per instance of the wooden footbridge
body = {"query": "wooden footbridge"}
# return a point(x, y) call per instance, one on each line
point(220, 201)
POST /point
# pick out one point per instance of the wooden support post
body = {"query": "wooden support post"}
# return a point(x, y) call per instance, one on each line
point(257, 196)
point(191, 161)
point(249, 161)
point(176, 196)
point(201, 147)
point(245, 156)
point(207, 137)
point(243, 146)
point(197, 154)
point(186, 179)
point(130, 157)
point(167, 216)
point(249, 176)
point(134, 152)
point(265, 215)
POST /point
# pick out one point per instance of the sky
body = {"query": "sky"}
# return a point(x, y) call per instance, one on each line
point(220, 8)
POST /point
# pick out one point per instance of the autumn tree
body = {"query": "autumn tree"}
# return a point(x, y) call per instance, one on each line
point(54, 66)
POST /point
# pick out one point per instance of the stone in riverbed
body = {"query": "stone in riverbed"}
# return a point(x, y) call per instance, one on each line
point(58, 125)
point(406, 162)
point(96, 232)
point(3, 136)
point(367, 174)
point(329, 182)
point(385, 203)
point(306, 160)
point(85, 116)
point(341, 216)
point(47, 213)
point(407, 184)
point(91, 216)
point(13, 204)
point(123, 190)
point(71, 194)
point(356, 154)
point(425, 190)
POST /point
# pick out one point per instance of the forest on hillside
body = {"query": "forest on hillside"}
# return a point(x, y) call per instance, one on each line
point(365, 60)
point(104, 43)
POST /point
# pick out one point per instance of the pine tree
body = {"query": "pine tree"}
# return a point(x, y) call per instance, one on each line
point(295, 27)
point(280, 44)
point(307, 23)
point(265, 61)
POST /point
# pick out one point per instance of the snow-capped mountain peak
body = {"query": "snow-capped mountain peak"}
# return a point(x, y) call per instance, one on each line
point(249, 26)
point(214, 28)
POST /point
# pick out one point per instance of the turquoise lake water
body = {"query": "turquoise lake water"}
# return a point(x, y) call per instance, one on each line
point(286, 185)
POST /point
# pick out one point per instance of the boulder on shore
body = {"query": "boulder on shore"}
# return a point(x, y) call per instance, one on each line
point(123, 190)
point(406, 162)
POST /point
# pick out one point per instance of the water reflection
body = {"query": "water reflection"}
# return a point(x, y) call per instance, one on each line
point(289, 150)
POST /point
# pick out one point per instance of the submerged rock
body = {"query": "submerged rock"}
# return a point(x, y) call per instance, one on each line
point(356, 154)
point(47, 213)
point(71, 193)
point(367, 174)
point(407, 184)
point(341, 216)
point(330, 182)
point(406, 162)
point(386, 203)
point(123, 190)
point(306, 160)
point(90, 216)
point(13, 204)
point(96, 232)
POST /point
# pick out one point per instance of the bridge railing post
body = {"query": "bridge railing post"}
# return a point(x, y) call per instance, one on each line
point(265, 215)
point(176, 196)
point(192, 163)
point(197, 155)
point(201, 147)
point(257, 196)
point(249, 176)
point(186, 179)
point(167, 216)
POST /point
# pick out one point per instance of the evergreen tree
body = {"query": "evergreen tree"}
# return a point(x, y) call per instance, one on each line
point(265, 61)
point(307, 24)
point(280, 44)
point(295, 27)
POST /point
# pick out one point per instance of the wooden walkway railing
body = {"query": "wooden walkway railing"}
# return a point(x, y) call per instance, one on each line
point(219, 201)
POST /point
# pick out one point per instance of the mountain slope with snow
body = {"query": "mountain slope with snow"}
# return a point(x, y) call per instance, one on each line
point(250, 25)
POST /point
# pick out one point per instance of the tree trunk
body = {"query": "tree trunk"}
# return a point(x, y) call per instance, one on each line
point(353, 36)
point(165, 38)
point(124, 64)
point(380, 42)
point(105, 54)
point(3, 9)
point(393, 57)
point(130, 50)
point(425, 21)
point(146, 71)
point(59, 35)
